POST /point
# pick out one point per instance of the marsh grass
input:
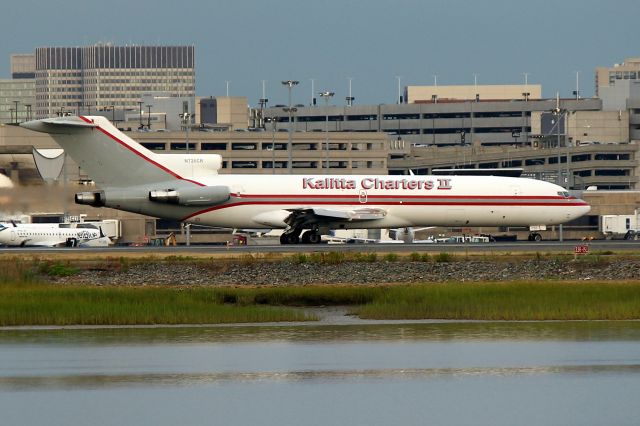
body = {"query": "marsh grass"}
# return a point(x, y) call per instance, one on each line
point(14, 270)
point(26, 300)
point(510, 301)
point(47, 304)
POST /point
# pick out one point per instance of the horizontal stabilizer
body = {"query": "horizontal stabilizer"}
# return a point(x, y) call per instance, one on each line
point(58, 124)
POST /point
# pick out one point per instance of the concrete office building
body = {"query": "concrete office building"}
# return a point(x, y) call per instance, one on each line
point(158, 111)
point(17, 99)
point(623, 97)
point(96, 77)
point(594, 127)
point(493, 92)
point(619, 88)
point(23, 65)
point(17, 94)
point(629, 70)
point(224, 111)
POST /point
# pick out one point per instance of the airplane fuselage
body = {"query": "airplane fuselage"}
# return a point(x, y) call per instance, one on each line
point(188, 188)
point(46, 235)
point(265, 201)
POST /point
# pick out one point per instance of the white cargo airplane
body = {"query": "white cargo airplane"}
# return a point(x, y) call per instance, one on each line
point(51, 235)
point(188, 188)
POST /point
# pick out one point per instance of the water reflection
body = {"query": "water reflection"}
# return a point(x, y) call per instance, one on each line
point(93, 382)
point(392, 331)
point(471, 373)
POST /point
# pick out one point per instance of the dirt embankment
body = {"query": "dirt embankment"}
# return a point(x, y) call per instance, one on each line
point(285, 272)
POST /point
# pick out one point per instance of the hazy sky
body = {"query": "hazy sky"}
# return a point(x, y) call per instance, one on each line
point(247, 41)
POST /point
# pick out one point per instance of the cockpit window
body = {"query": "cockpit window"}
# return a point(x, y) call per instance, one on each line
point(2, 227)
point(564, 194)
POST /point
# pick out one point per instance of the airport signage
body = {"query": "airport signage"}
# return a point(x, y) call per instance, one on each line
point(581, 249)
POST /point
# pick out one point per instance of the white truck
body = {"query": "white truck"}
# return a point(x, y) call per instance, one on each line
point(620, 225)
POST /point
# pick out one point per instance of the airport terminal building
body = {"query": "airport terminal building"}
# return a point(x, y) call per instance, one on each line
point(443, 120)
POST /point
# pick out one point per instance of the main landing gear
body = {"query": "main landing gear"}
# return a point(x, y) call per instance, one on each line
point(293, 237)
point(534, 236)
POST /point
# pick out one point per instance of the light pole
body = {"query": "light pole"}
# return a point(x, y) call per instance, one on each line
point(350, 98)
point(186, 122)
point(290, 110)
point(16, 108)
point(559, 113)
point(149, 118)
point(313, 90)
point(326, 96)
point(399, 78)
point(274, 123)
point(140, 109)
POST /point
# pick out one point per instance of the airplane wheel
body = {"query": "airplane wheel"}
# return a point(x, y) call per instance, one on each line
point(293, 239)
point(315, 238)
point(284, 239)
point(306, 237)
point(537, 237)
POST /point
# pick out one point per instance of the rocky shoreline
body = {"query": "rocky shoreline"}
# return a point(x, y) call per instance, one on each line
point(284, 272)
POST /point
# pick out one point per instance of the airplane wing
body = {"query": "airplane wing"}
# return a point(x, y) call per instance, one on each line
point(341, 214)
point(308, 216)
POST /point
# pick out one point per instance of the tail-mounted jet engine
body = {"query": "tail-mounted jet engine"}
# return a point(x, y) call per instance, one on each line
point(201, 196)
point(95, 199)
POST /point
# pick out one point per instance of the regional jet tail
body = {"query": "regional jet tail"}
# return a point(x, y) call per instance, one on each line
point(187, 187)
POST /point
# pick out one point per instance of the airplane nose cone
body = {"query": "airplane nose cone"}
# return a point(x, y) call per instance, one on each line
point(581, 210)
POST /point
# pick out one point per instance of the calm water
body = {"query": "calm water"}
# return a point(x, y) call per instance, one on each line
point(582, 373)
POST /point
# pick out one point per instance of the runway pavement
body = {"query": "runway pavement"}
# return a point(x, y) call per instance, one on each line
point(498, 247)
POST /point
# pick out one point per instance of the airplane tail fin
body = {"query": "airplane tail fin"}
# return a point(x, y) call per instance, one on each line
point(108, 156)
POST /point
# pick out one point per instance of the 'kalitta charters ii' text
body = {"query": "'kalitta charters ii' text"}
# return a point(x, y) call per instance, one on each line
point(375, 183)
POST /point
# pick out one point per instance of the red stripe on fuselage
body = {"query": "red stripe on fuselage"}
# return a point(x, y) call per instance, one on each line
point(141, 155)
point(356, 196)
point(355, 203)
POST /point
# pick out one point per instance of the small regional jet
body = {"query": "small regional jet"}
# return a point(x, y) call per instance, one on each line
point(51, 235)
point(188, 188)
